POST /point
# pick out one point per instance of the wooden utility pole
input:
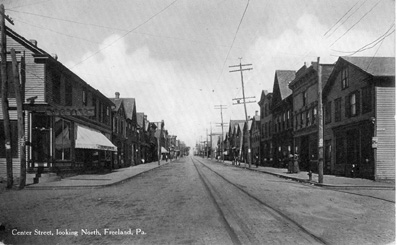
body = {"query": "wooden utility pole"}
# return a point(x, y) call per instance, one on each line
point(221, 107)
point(4, 97)
point(20, 117)
point(320, 125)
point(159, 141)
point(206, 149)
point(245, 107)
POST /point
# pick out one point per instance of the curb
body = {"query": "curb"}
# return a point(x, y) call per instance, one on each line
point(32, 187)
point(328, 186)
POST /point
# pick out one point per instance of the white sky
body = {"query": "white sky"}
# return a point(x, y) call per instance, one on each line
point(173, 61)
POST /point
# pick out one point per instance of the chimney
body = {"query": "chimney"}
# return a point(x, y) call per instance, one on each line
point(256, 113)
point(117, 95)
point(55, 56)
point(34, 42)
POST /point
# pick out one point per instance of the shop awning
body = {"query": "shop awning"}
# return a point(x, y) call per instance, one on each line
point(91, 139)
point(163, 150)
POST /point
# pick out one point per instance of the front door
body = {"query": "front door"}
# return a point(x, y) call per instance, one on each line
point(353, 143)
point(41, 141)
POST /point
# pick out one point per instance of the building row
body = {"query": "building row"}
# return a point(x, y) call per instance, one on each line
point(69, 125)
point(355, 127)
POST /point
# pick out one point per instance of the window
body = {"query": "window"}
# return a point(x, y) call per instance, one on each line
point(263, 112)
point(84, 97)
point(338, 109)
point(296, 122)
point(314, 114)
point(345, 78)
point(304, 98)
point(352, 105)
point(10, 79)
point(328, 112)
point(68, 94)
point(302, 120)
point(307, 118)
point(288, 118)
point(94, 101)
point(56, 88)
point(62, 139)
point(14, 139)
point(367, 99)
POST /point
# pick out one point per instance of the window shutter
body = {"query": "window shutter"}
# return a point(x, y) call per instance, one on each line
point(358, 103)
point(347, 107)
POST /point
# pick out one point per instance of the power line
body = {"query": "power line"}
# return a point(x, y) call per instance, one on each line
point(346, 18)
point(234, 38)
point(70, 21)
point(125, 34)
point(356, 23)
point(20, 6)
point(60, 33)
point(373, 43)
point(374, 55)
point(340, 18)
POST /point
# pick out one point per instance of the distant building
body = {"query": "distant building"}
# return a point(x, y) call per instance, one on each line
point(266, 149)
point(281, 109)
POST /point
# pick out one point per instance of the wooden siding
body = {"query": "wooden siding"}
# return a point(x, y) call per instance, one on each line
point(386, 133)
point(34, 72)
point(15, 161)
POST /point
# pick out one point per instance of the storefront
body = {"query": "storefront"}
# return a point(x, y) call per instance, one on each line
point(59, 143)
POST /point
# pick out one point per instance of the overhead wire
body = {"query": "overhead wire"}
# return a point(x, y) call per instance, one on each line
point(20, 6)
point(356, 23)
point(234, 39)
point(70, 21)
point(340, 18)
point(57, 32)
point(373, 43)
point(98, 51)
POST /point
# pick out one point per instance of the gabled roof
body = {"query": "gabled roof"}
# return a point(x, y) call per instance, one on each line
point(284, 77)
point(264, 95)
point(129, 104)
point(117, 103)
point(233, 123)
point(375, 66)
point(140, 116)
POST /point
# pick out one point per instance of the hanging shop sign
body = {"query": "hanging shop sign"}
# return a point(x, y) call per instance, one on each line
point(70, 111)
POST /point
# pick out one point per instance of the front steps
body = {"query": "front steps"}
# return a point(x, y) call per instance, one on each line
point(41, 178)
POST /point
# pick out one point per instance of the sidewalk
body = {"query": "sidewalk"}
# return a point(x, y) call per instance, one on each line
point(97, 180)
point(329, 181)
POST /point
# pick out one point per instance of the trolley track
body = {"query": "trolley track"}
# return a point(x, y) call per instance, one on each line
point(238, 230)
point(345, 191)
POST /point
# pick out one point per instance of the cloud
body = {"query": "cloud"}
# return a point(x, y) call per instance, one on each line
point(304, 42)
point(161, 89)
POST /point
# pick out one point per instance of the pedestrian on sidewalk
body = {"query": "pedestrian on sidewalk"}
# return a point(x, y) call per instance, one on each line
point(256, 160)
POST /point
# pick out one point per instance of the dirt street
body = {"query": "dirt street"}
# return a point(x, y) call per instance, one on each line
point(172, 205)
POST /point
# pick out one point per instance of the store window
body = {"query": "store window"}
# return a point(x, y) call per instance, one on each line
point(62, 131)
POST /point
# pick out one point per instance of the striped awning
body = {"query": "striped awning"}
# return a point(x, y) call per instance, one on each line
point(88, 138)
